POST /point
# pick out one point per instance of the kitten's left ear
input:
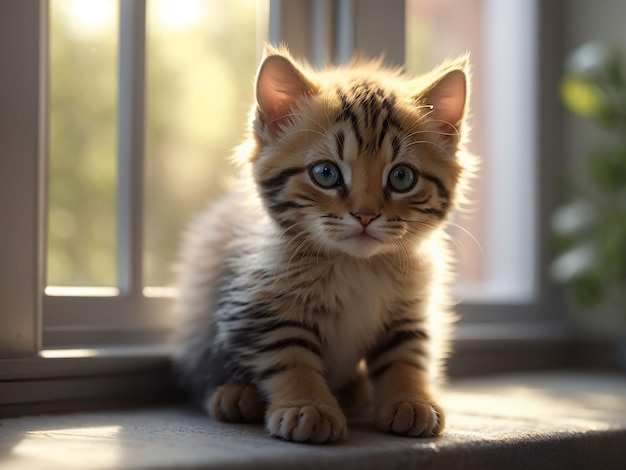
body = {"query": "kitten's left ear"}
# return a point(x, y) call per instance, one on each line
point(279, 84)
point(448, 95)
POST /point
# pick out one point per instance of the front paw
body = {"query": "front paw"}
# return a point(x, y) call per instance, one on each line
point(236, 401)
point(412, 417)
point(306, 422)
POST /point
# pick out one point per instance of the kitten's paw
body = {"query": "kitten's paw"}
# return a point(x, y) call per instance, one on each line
point(315, 423)
point(419, 418)
point(236, 401)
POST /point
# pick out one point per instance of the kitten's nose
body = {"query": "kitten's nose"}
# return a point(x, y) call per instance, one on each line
point(365, 217)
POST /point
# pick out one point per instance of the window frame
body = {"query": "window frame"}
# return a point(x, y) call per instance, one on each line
point(24, 331)
point(23, 137)
point(545, 312)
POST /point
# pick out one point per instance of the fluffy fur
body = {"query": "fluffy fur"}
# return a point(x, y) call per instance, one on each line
point(323, 275)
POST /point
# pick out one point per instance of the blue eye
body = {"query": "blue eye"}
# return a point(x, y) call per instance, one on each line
point(326, 175)
point(402, 178)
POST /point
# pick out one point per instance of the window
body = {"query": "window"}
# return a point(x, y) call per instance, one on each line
point(495, 242)
point(82, 128)
point(135, 150)
point(200, 57)
point(159, 76)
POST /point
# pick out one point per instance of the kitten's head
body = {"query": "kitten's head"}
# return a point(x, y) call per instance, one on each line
point(363, 159)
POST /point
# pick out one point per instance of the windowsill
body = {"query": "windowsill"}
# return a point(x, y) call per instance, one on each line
point(79, 379)
point(68, 380)
point(547, 420)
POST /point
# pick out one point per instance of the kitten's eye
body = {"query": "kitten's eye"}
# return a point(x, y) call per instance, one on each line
point(326, 175)
point(402, 178)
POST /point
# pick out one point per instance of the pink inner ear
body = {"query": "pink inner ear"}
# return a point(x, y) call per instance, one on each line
point(278, 85)
point(448, 98)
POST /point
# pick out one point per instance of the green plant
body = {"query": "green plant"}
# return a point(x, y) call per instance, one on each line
point(589, 233)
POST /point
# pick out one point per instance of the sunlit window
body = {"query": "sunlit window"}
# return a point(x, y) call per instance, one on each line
point(495, 240)
point(201, 57)
point(426, 47)
point(201, 60)
point(83, 140)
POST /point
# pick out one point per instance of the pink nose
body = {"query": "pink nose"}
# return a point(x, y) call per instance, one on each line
point(365, 217)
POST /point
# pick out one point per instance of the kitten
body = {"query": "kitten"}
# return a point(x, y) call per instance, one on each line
point(324, 272)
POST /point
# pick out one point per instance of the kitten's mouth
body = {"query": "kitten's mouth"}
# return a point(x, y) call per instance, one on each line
point(363, 237)
point(366, 237)
point(361, 244)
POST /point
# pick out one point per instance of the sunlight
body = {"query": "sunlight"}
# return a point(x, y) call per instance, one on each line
point(88, 447)
point(160, 292)
point(180, 14)
point(75, 291)
point(89, 18)
point(68, 353)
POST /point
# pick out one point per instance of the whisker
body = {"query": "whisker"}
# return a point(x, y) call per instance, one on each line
point(469, 234)
point(298, 131)
point(304, 116)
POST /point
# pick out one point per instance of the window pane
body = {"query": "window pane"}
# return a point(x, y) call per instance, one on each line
point(201, 60)
point(82, 120)
point(495, 242)
point(436, 31)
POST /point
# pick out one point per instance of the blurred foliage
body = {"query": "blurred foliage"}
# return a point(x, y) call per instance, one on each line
point(589, 234)
point(83, 133)
point(200, 64)
point(198, 93)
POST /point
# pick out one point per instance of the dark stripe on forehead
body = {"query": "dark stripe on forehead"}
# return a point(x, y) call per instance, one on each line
point(367, 106)
point(340, 144)
point(389, 121)
point(395, 147)
point(348, 114)
point(364, 95)
point(388, 102)
point(369, 109)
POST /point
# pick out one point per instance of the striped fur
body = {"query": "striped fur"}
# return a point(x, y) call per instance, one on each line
point(288, 288)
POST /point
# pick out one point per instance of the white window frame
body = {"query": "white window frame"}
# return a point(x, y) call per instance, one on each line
point(310, 29)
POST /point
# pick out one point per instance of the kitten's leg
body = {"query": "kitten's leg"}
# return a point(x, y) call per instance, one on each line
point(403, 403)
point(236, 401)
point(302, 408)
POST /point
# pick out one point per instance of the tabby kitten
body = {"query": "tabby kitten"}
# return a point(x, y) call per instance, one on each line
point(324, 272)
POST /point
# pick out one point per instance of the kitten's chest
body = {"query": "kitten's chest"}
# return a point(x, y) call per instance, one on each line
point(360, 297)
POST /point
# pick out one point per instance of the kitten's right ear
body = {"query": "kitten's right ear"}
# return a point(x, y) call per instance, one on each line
point(279, 84)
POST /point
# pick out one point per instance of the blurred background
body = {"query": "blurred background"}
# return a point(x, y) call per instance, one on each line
point(201, 58)
point(200, 66)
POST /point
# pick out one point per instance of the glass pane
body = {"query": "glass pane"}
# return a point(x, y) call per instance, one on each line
point(436, 31)
point(201, 60)
point(82, 120)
